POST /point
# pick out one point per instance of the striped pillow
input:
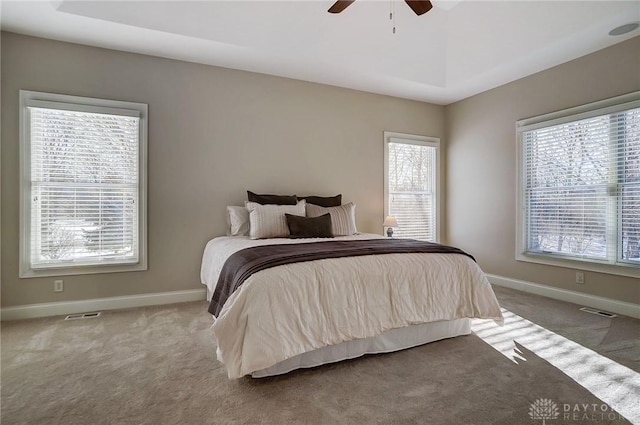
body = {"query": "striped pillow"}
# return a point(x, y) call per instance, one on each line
point(343, 218)
point(268, 221)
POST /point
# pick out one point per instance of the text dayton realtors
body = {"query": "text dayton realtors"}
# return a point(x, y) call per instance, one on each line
point(593, 411)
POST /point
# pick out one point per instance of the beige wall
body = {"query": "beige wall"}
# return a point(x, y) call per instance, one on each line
point(213, 134)
point(481, 167)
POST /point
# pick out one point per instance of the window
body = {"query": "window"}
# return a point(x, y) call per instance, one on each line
point(411, 184)
point(580, 187)
point(83, 185)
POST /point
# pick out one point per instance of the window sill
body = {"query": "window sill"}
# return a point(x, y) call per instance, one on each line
point(81, 270)
point(577, 264)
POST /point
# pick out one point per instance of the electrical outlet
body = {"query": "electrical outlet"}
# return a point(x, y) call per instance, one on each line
point(58, 285)
point(580, 278)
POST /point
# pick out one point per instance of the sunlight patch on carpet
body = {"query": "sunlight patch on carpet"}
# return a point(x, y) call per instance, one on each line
point(611, 382)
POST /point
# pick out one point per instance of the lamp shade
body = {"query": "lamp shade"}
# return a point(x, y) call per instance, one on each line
point(390, 221)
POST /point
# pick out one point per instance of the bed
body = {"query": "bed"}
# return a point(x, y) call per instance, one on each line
point(318, 311)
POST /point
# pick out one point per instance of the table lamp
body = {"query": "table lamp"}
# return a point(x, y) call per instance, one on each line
point(390, 222)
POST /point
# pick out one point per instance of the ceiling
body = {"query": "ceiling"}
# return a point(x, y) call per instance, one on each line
point(456, 50)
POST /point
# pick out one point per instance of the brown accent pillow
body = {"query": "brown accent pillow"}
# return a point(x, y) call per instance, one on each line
point(272, 199)
point(323, 201)
point(309, 227)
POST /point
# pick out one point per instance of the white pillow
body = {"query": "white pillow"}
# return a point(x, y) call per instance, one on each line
point(343, 218)
point(237, 221)
point(268, 221)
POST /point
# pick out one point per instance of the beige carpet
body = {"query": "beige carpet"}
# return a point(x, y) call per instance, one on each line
point(157, 365)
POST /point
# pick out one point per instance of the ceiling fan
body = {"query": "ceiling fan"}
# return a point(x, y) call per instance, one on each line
point(418, 6)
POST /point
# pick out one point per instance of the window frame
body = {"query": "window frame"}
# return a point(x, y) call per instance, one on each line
point(603, 107)
point(419, 140)
point(84, 104)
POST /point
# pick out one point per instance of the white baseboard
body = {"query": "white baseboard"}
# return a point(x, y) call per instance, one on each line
point(601, 303)
point(31, 311)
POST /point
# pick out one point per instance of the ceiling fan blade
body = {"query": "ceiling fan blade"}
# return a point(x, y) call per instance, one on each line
point(339, 6)
point(419, 6)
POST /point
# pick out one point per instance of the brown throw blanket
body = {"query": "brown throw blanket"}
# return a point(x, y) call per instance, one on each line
point(242, 264)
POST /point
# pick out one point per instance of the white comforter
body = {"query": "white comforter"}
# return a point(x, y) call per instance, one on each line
point(287, 310)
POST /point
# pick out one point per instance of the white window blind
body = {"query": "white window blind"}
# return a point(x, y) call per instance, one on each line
point(84, 186)
point(412, 187)
point(582, 187)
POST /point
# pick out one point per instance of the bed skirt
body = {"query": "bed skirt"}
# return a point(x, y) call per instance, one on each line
point(386, 342)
